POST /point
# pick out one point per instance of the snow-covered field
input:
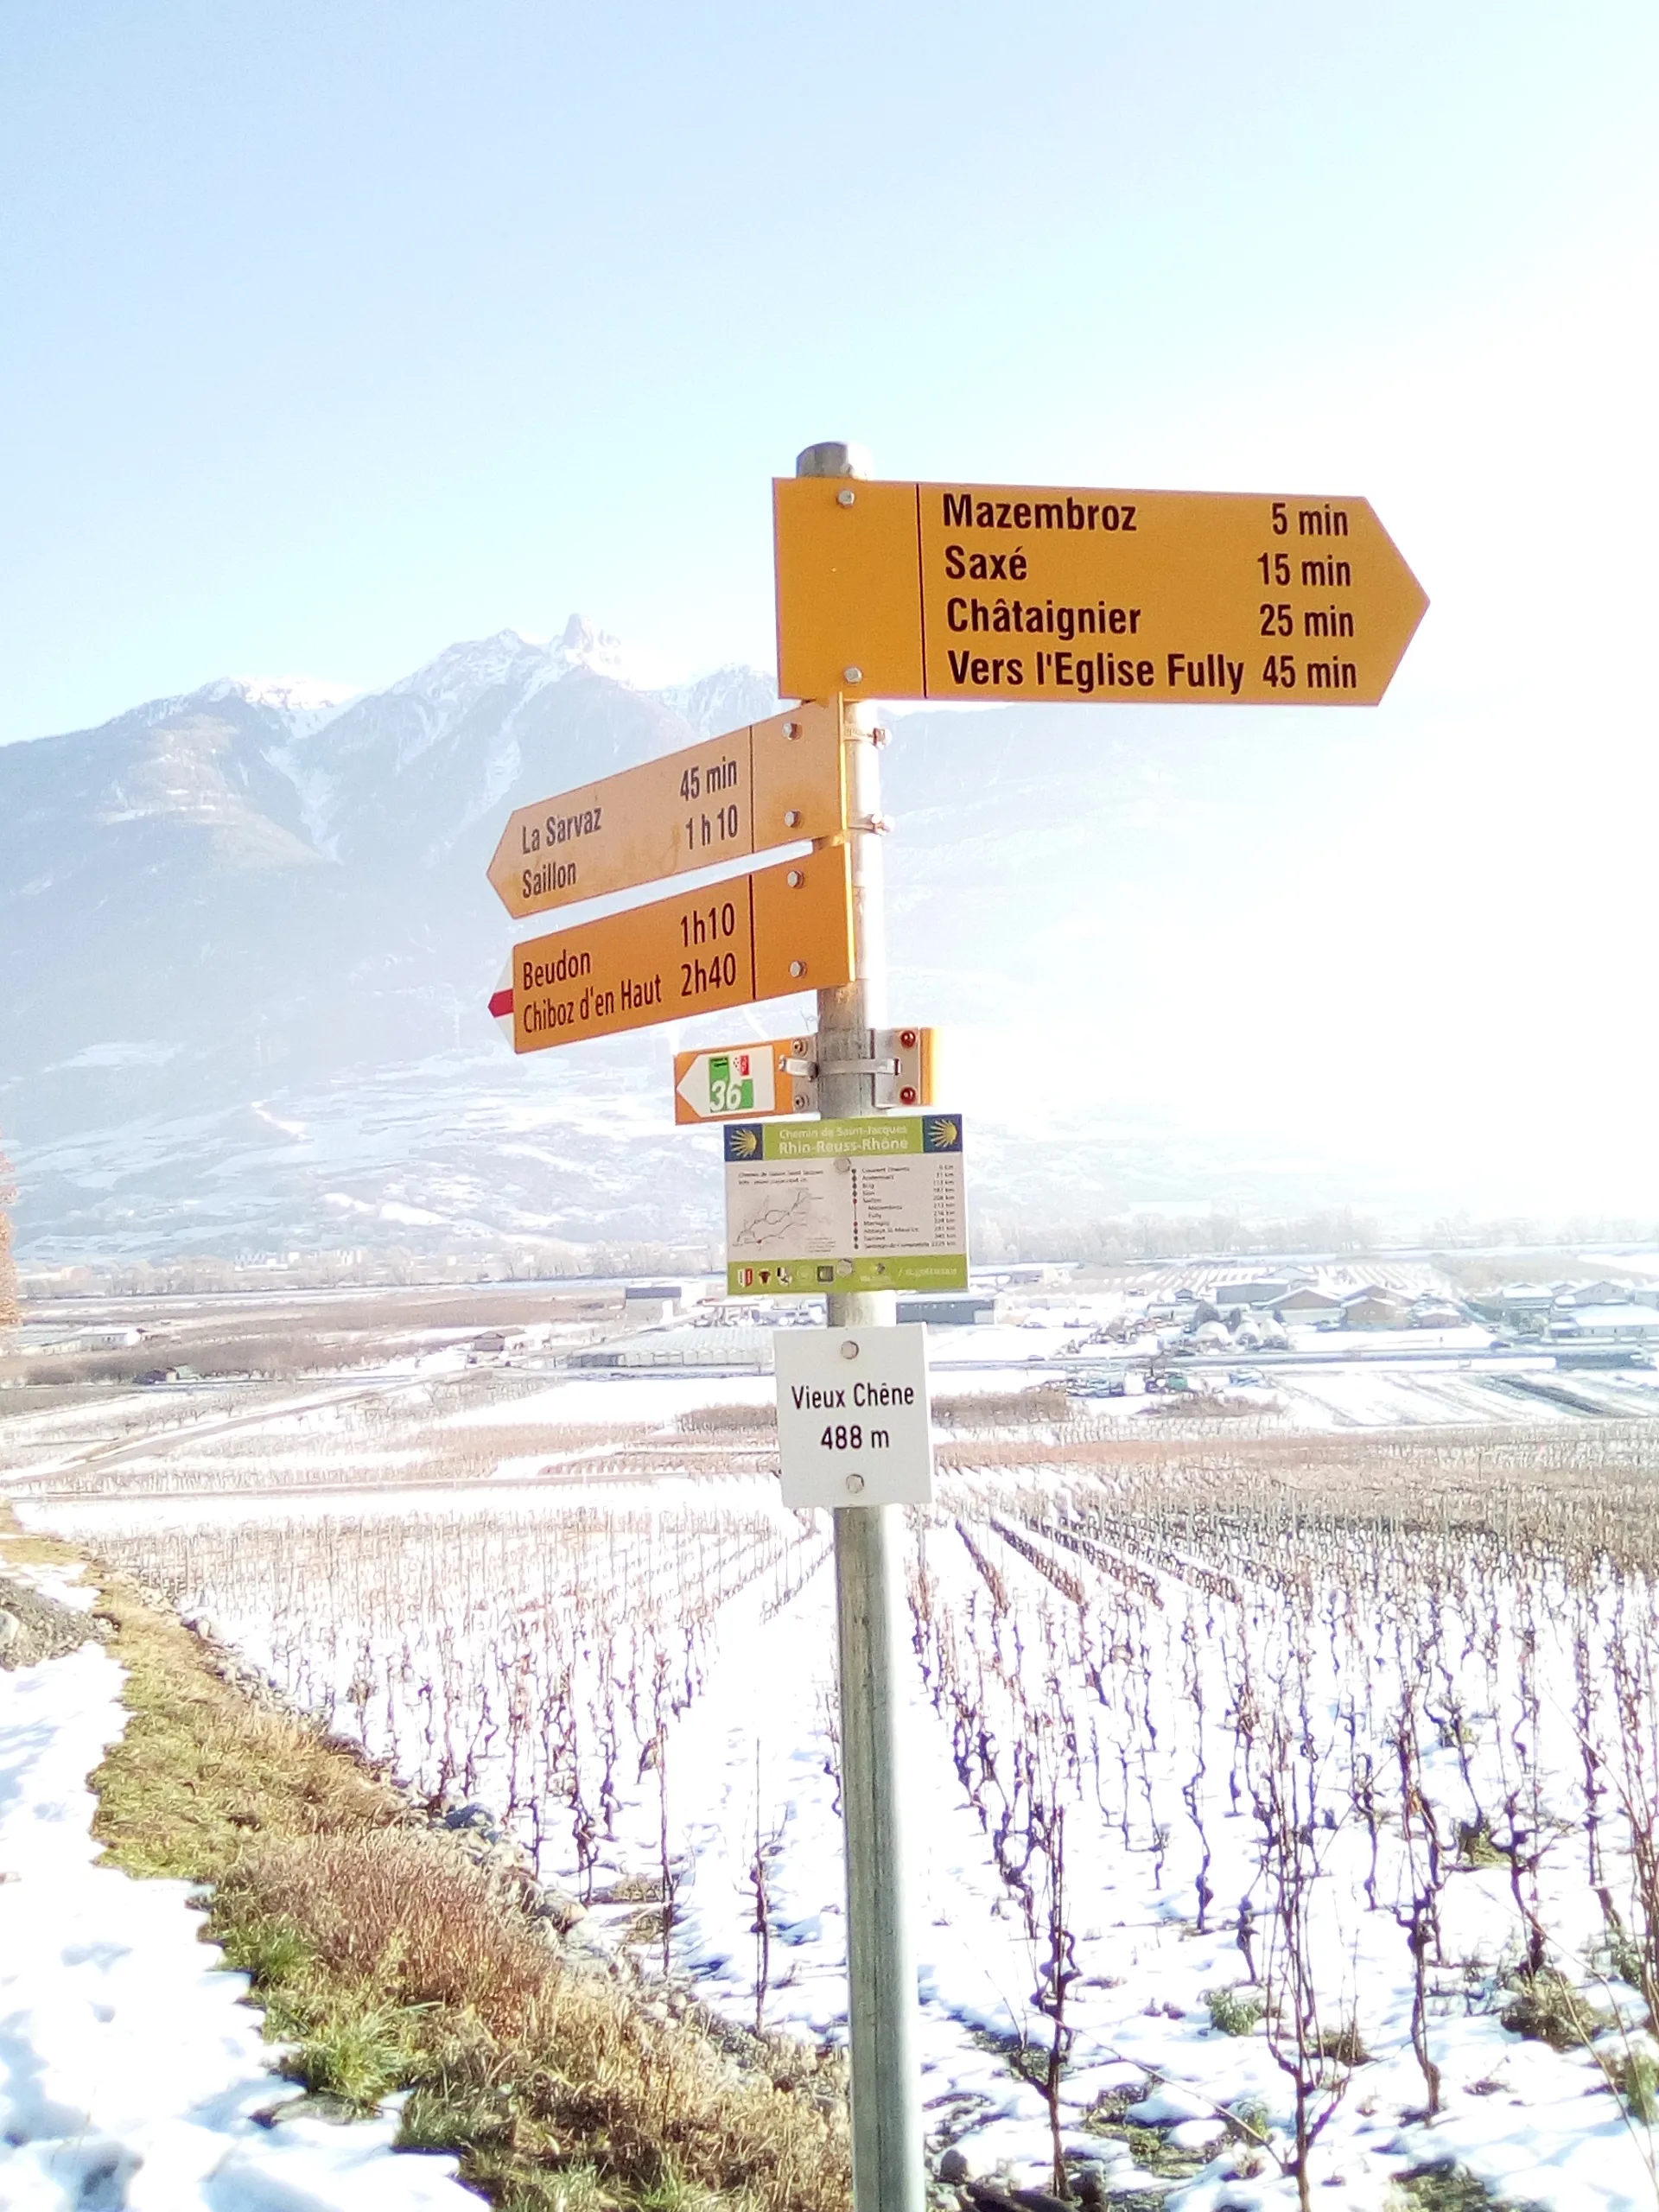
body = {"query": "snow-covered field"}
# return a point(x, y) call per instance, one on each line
point(1248, 1770)
point(131, 2072)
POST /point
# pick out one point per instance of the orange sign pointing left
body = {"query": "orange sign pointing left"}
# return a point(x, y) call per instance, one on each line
point(765, 785)
point(783, 929)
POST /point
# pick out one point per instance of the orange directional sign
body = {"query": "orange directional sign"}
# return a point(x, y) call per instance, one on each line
point(981, 591)
point(783, 929)
point(765, 785)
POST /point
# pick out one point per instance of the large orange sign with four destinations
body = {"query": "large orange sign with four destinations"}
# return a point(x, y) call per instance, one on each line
point(982, 591)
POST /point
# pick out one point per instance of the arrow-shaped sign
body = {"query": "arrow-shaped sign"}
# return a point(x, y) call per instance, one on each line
point(778, 1076)
point(727, 1083)
point(768, 783)
point(984, 591)
point(782, 929)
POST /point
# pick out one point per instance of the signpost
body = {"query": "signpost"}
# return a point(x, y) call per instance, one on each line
point(854, 1423)
point(727, 1083)
point(918, 591)
point(787, 928)
point(984, 591)
point(871, 1630)
point(770, 782)
point(816, 1207)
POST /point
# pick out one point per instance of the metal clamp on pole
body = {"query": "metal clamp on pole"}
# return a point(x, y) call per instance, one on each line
point(887, 2175)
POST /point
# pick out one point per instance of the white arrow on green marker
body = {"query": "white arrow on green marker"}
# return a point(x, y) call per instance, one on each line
point(734, 1081)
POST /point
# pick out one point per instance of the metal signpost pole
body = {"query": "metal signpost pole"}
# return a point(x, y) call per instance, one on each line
point(886, 2094)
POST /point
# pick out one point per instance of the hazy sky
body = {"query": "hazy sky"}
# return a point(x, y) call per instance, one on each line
point(336, 331)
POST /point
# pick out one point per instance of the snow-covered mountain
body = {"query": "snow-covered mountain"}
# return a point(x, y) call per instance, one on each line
point(247, 943)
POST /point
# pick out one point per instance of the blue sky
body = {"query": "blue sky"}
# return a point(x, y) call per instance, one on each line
point(338, 331)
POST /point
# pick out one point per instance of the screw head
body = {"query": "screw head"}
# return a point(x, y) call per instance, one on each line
point(849, 1347)
point(797, 967)
point(845, 499)
point(791, 816)
point(907, 1095)
point(795, 879)
point(855, 1483)
point(907, 1038)
point(854, 674)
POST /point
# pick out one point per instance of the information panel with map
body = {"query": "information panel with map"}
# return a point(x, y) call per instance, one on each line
point(863, 1205)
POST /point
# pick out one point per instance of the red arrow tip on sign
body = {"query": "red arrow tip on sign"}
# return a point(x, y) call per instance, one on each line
point(501, 1004)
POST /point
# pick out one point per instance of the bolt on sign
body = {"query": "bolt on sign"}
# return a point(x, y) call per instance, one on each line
point(783, 929)
point(767, 783)
point(854, 1415)
point(850, 1204)
point(982, 591)
point(780, 1076)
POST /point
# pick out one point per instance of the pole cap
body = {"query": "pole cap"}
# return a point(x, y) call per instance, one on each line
point(833, 458)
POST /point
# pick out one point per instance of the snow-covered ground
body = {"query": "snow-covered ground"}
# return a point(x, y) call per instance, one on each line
point(133, 2075)
point(625, 1649)
point(607, 1668)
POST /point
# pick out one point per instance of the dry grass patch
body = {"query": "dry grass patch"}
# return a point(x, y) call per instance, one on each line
point(201, 1769)
point(1203, 1405)
point(406, 1908)
point(726, 1421)
point(17, 1549)
point(391, 1961)
point(1044, 1404)
point(388, 1960)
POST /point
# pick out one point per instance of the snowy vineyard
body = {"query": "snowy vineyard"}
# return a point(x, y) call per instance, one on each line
point(1274, 1830)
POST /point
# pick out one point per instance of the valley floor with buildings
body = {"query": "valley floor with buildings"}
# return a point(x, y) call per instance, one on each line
point(1283, 1749)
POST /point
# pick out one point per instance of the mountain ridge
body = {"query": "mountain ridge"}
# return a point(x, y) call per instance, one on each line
point(249, 945)
point(248, 888)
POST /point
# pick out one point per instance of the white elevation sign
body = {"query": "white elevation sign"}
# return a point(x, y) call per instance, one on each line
point(853, 1416)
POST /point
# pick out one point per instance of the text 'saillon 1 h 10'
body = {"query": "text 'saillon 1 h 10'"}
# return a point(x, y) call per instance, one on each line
point(936, 591)
point(766, 784)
